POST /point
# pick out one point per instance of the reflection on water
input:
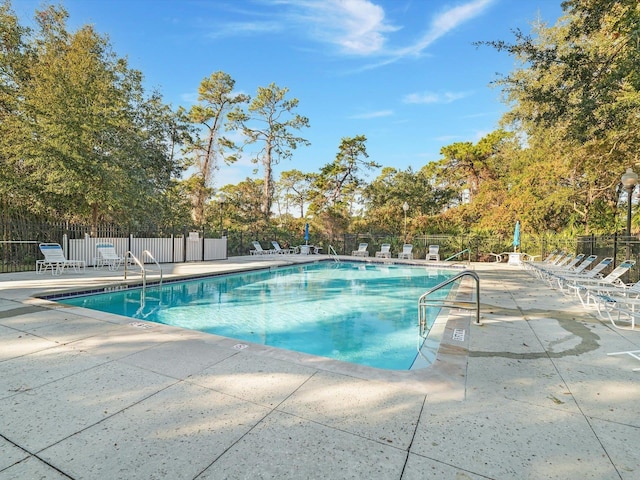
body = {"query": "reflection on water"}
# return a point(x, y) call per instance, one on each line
point(355, 312)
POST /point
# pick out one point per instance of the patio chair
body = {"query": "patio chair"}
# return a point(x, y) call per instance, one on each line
point(108, 257)
point(545, 270)
point(632, 353)
point(278, 249)
point(579, 286)
point(362, 251)
point(407, 252)
point(385, 251)
point(433, 253)
point(258, 250)
point(55, 260)
point(549, 274)
point(623, 300)
point(606, 284)
point(572, 278)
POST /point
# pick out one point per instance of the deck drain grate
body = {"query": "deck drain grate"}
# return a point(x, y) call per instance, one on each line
point(458, 334)
point(240, 346)
point(140, 325)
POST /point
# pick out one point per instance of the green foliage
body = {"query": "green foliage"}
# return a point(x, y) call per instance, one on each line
point(295, 188)
point(205, 145)
point(81, 140)
point(242, 210)
point(338, 182)
point(269, 120)
point(78, 131)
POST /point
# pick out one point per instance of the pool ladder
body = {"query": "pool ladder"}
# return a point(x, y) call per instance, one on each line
point(130, 259)
point(424, 302)
point(460, 254)
point(332, 252)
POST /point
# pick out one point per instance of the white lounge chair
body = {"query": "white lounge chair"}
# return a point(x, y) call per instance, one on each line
point(55, 260)
point(385, 251)
point(433, 253)
point(107, 256)
point(278, 249)
point(407, 252)
point(583, 288)
point(577, 265)
point(534, 266)
point(573, 278)
point(362, 251)
point(580, 286)
point(623, 301)
point(632, 353)
point(258, 250)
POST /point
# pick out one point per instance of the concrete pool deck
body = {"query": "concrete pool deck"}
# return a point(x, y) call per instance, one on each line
point(530, 394)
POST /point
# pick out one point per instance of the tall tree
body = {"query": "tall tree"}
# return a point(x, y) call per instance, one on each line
point(89, 142)
point(216, 99)
point(296, 187)
point(578, 83)
point(269, 120)
point(339, 181)
point(385, 196)
point(242, 205)
point(15, 56)
point(466, 166)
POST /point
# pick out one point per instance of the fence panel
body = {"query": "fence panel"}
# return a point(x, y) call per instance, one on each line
point(160, 248)
point(215, 248)
point(85, 248)
point(194, 247)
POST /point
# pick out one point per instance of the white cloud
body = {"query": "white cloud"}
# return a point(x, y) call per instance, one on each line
point(445, 22)
point(377, 114)
point(432, 97)
point(356, 26)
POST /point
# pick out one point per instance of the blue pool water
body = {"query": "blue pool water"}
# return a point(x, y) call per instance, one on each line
point(354, 312)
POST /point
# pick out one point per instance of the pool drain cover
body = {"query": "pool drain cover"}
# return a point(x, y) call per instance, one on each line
point(240, 346)
point(458, 334)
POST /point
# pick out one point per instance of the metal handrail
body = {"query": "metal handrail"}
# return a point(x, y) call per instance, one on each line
point(333, 253)
point(143, 271)
point(466, 250)
point(423, 302)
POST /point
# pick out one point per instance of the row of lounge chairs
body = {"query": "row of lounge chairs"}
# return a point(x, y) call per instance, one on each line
point(56, 261)
point(258, 250)
point(406, 253)
point(614, 300)
point(385, 251)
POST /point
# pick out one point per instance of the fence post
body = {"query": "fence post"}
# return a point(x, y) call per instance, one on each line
point(184, 244)
point(615, 248)
point(203, 243)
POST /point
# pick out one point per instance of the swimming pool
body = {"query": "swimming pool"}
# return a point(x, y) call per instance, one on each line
point(356, 312)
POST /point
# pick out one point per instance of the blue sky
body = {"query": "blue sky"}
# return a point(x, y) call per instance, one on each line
point(404, 73)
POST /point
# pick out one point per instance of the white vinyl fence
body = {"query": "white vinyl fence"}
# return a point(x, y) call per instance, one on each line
point(172, 249)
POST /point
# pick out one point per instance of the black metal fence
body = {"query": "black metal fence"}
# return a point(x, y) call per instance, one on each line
point(19, 242)
point(19, 239)
point(620, 247)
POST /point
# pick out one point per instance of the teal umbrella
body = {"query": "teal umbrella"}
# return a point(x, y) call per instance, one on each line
point(516, 237)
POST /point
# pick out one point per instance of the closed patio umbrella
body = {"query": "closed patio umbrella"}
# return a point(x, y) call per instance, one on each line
point(516, 237)
point(306, 233)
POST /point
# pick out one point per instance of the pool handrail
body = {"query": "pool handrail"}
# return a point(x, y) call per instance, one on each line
point(333, 253)
point(466, 250)
point(423, 302)
point(130, 257)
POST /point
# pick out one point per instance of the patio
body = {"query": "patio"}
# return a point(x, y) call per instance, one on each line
point(530, 394)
